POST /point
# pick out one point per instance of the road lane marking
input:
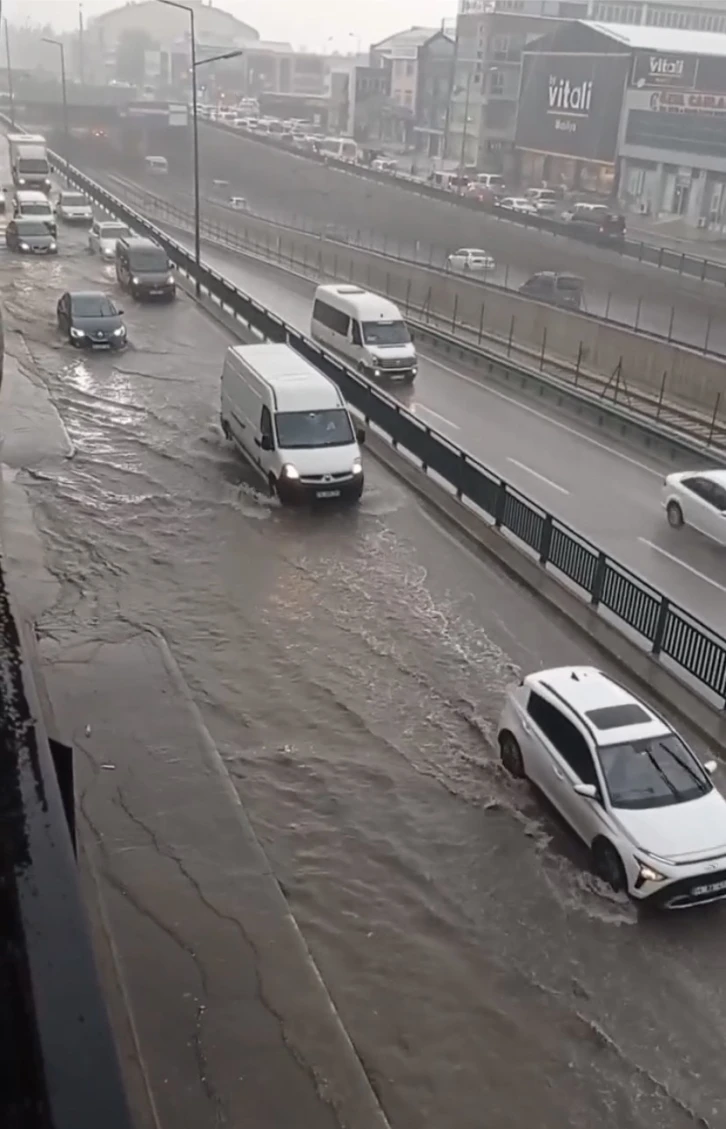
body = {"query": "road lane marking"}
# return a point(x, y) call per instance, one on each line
point(449, 422)
point(683, 564)
point(541, 477)
point(487, 389)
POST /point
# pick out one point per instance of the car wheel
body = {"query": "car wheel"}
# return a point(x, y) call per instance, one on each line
point(511, 756)
point(608, 865)
point(674, 513)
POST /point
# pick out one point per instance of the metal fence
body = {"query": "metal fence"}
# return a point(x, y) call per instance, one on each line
point(660, 404)
point(667, 631)
point(692, 266)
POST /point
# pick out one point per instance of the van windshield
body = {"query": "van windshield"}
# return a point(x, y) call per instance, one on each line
point(149, 259)
point(35, 209)
point(32, 164)
point(385, 333)
point(328, 428)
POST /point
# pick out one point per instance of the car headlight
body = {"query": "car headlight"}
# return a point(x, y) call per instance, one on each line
point(52, 245)
point(24, 247)
point(170, 279)
point(77, 332)
point(120, 331)
point(357, 467)
point(135, 280)
point(21, 180)
point(648, 873)
point(289, 471)
point(376, 372)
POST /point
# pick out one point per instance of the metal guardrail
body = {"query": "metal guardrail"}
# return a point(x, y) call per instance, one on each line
point(616, 392)
point(692, 266)
point(58, 1063)
point(663, 628)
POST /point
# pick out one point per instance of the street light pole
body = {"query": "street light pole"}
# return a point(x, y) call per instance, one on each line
point(10, 74)
point(57, 43)
point(195, 129)
point(195, 135)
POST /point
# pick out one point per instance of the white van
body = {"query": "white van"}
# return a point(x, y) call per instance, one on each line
point(157, 165)
point(368, 330)
point(35, 205)
point(292, 423)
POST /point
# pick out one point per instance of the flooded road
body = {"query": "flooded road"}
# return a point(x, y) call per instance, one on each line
point(350, 668)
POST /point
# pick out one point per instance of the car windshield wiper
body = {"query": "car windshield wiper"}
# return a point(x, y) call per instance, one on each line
point(658, 768)
point(684, 765)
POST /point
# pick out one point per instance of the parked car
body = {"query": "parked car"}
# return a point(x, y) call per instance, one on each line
point(585, 213)
point(91, 319)
point(624, 780)
point(559, 289)
point(471, 259)
point(698, 499)
point(103, 236)
point(518, 204)
point(30, 237)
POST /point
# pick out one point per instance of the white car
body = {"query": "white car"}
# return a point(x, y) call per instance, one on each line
point(697, 498)
point(471, 259)
point(544, 200)
point(103, 236)
point(625, 782)
point(588, 213)
point(74, 207)
point(517, 204)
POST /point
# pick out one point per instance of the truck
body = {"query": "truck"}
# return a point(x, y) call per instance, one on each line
point(29, 161)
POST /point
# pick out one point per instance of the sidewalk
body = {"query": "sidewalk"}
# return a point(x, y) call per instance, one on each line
point(679, 236)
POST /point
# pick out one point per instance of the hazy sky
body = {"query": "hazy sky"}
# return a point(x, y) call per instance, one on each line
point(308, 23)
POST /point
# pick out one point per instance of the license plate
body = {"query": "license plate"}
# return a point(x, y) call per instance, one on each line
point(100, 345)
point(710, 888)
point(156, 290)
point(328, 494)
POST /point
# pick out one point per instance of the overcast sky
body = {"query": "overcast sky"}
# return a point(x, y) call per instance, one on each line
point(309, 23)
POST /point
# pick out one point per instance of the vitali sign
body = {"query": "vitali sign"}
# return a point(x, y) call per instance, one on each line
point(569, 105)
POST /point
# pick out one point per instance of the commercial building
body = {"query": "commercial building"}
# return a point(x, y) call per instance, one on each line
point(702, 15)
point(631, 110)
point(164, 25)
point(433, 86)
point(400, 52)
point(491, 36)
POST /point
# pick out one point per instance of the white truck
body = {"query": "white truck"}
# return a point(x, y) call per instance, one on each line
point(29, 161)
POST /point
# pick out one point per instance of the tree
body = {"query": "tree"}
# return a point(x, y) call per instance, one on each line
point(131, 55)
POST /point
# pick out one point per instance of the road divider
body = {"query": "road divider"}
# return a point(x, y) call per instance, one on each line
point(650, 375)
point(669, 634)
point(608, 402)
point(665, 258)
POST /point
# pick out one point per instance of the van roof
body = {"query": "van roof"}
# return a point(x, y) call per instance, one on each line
point(32, 194)
point(297, 385)
point(366, 306)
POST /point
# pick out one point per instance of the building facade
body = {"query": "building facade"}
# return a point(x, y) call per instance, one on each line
point(704, 15)
point(434, 71)
point(491, 36)
point(401, 53)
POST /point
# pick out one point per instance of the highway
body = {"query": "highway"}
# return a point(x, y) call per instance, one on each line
point(605, 491)
point(304, 192)
point(350, 669)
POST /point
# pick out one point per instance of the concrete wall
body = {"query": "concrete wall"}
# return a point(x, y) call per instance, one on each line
point(457, 305)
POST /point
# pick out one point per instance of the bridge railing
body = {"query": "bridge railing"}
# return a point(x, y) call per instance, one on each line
point(670, 633)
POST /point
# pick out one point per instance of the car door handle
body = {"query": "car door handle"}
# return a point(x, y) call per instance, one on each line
point(526, 727)
point(559, 775)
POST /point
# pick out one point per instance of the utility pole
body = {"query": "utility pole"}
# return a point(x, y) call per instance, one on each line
point(81, 46)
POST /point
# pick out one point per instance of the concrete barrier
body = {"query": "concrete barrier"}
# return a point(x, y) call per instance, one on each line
point(642, 364)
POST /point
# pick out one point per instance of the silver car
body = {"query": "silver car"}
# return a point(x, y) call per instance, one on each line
point(102, 238)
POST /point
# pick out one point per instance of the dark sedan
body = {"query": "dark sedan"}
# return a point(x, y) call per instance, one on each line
point(90, 319)
point(30, 237)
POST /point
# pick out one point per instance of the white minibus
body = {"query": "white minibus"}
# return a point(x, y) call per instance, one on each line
point(369, 331)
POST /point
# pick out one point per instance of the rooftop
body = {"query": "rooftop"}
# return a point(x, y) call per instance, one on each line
point(668, 40)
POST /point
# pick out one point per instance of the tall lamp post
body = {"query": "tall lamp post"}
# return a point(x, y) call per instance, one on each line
point(57, 43)
point(10, 74)
point(195, 125)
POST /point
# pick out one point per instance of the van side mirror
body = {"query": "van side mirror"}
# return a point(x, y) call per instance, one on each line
point(587, 791)
point(266, 443)
point(360, 434)
point(172, 266)
point(711, 767)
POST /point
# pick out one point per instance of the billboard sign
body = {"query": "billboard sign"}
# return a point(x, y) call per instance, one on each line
point(651, 69)
point(569, 105)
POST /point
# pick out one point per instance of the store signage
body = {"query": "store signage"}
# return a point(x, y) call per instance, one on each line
point(678, 102)
point(664, 70)
point(569, 105)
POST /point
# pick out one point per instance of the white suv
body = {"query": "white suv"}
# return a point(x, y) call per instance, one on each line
point(624, 781)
